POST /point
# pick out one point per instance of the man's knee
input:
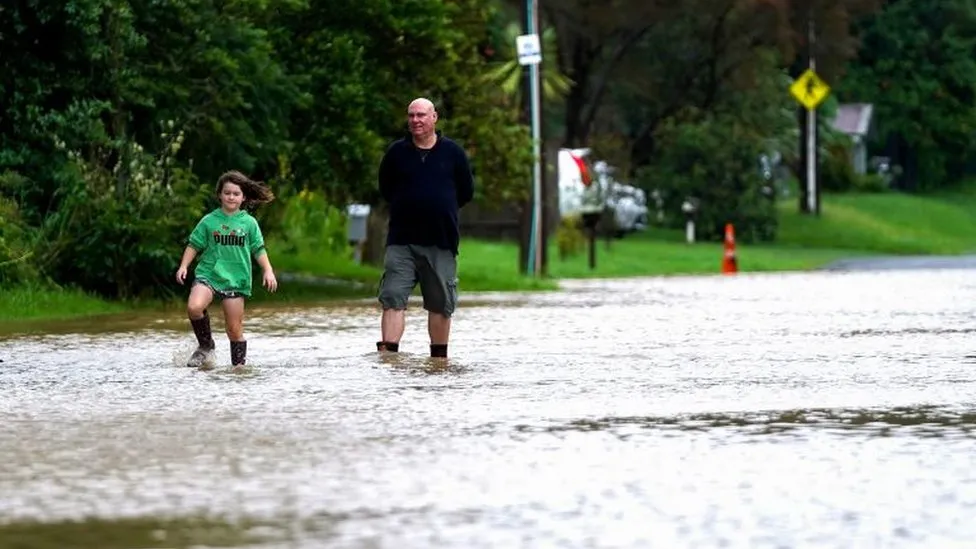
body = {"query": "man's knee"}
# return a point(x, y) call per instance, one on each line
point(399, 278)
point(393, 298)
point(445, 313)
point(394, 291)
point(442, 299)
point(439, 283)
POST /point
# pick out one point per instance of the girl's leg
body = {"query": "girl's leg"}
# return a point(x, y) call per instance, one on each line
point(196, 309)
point(234, 319)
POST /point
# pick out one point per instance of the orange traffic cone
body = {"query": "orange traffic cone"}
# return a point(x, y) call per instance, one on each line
point(729, 263)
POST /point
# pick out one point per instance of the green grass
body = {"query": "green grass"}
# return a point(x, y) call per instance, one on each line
point(314, 277)
point(658, 253)
point(493, 266)
point(482, 266)
point(41, 303)
point(888, 223)
point(320, 265)
point(850, 225)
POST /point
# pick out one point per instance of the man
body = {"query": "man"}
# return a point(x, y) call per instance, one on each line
point(426, 179)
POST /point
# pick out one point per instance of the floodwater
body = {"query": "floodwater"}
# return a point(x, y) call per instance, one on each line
point(828, 409)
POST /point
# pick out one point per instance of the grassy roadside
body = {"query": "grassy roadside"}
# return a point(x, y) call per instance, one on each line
point(850, 225)
point(893, 224)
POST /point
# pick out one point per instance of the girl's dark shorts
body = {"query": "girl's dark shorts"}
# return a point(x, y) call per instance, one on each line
point(217, 293)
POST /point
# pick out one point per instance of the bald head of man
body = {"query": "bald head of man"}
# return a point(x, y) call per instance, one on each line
point(422, 119)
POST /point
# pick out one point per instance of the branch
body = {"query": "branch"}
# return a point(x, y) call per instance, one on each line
point(716, 42)
point(562, 40)
point(604, 78)
point(649, 126)
point(688, 80)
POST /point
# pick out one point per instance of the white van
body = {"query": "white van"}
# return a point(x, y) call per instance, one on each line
point(576, 179)
point(587, 187)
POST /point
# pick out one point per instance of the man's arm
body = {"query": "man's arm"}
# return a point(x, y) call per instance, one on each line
point(463, 179)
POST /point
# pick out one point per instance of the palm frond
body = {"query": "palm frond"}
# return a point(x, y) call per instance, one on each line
point(507, 73)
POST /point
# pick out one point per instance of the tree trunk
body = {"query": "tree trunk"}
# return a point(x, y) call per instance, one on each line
point(550, 184)
point(374, 249)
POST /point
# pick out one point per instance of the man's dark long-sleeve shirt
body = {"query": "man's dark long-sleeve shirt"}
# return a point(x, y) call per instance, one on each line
point(425, 189)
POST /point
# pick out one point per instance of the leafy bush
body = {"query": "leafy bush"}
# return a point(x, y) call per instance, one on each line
point(309, 224)
point(120, 227)
point(870, 183)
point(16, 241)
point(837, 174)
point(714, 159)
point(569, 236)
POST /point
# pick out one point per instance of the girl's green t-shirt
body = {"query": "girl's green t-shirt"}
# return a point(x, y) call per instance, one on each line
point(225, 244)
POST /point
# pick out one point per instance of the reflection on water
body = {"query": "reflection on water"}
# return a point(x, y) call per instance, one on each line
point(808, 410)
point(137, 533)
point(911, 421)
point(935, 330)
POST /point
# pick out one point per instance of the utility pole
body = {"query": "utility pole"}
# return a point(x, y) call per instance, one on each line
point(810, 91)
point(525, 117)
point(529, 48)
point(813, 188)
point(545, 155)
point(537, 194)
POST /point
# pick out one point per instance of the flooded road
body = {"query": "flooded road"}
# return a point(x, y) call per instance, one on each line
point(757, 411)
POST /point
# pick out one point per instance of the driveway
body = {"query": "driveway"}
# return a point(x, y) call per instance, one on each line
point(888, 263)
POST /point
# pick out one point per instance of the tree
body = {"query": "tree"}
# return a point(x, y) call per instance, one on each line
point(211, 67)
point(917, 66)
point(832, 24)
point(479, 115)
point(821, 30)
point(712, 155)
point(362, 61)
point(592, 40)
point(697, 56)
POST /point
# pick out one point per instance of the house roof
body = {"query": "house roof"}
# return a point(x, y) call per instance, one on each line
point(853, 118)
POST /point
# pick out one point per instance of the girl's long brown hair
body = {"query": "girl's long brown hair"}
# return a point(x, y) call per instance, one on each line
point(255, 192)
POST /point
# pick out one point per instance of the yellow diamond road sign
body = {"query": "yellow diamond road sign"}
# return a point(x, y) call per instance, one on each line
point(809, 89)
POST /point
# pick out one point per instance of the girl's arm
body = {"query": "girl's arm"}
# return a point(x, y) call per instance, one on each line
point(270, 282)
point(265, 263)
point(188, 255)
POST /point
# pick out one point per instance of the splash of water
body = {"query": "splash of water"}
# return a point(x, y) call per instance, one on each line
point(182, 354)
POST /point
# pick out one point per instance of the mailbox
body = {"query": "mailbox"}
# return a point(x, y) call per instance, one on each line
point(358, 214)
point(356, 228)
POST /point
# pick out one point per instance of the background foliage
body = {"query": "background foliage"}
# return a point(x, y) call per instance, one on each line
point(119, 115)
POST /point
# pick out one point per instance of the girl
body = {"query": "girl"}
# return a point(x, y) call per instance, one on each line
point(226, 239)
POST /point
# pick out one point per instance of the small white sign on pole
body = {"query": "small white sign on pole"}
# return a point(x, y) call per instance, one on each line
point(528, 48)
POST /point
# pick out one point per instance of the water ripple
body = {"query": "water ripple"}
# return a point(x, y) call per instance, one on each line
point(797, 410)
